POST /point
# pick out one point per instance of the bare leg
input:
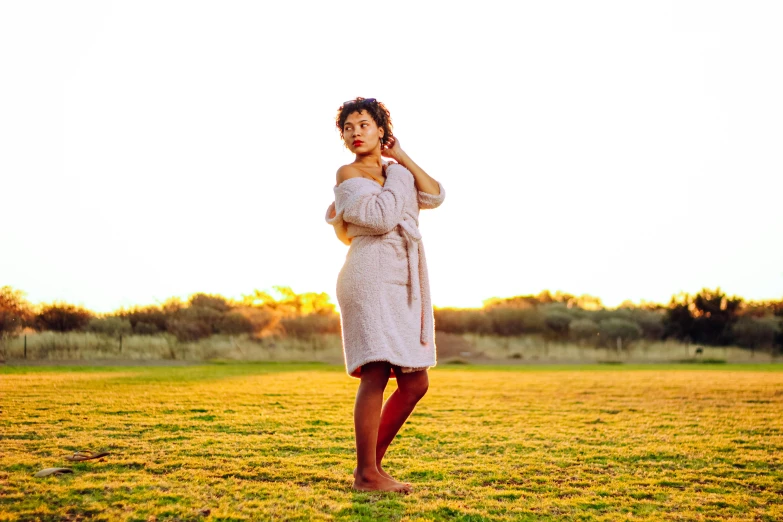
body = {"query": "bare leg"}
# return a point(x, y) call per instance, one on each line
point(411, 387)
point(367, 414)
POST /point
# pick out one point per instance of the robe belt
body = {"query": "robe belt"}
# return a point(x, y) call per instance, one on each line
point(416, 266)
point(412, 238)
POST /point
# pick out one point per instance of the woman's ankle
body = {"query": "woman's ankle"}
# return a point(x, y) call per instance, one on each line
point(367, 472)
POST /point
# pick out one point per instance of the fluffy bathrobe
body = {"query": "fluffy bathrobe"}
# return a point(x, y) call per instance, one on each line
point(383, 288)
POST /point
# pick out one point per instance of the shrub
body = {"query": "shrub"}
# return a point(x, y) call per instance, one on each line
point(612, 329)
point(194, 323)
point(516, 321)
point(263, 321)
point(185, 329)
point(583, 330)
point(309, 325)
point(145, 328)
point(751, 332)
point(113, 326)
point(705, 318)
point(152, 315)
point(651, 323)
point(459, 321)
point(558, 321)
point(620, 313)
point(234, 323)
point(15, 311)
point(62, 317)
point(214, 302)
point(532, 321)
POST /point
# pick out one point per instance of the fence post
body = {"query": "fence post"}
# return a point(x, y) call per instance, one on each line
point(120, 343)
point(25, 347)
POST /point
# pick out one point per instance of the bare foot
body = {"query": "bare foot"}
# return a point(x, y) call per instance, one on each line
point(382, 472)
point(377, 482)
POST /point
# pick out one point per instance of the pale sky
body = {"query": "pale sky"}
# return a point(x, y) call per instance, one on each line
point(627, 150)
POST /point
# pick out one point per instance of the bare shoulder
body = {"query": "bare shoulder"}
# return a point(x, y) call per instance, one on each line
point(347, 172)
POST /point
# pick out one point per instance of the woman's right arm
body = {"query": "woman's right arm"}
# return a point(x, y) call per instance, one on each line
point(379, 210)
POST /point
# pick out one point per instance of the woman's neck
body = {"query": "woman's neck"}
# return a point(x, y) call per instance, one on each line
point(369, 160)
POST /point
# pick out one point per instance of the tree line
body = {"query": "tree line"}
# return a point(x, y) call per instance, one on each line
point(709, 317)
point(201, 315)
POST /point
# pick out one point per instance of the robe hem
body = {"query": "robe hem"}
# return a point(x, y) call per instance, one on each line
point(385, 359)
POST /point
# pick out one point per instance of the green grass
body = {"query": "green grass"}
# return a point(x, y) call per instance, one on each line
point(275, 441)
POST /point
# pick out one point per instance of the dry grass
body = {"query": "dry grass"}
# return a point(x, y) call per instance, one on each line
point(57, 346)
point(327, 348)
point(275, 441)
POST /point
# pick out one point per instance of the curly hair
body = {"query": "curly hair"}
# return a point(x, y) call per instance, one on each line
point(377, 110)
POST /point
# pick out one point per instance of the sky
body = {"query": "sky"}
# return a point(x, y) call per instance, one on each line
point(626, 150)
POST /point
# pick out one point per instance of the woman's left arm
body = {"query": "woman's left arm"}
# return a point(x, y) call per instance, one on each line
point(424, 181)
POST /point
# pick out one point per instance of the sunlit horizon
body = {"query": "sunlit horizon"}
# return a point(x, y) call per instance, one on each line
point(468, 304)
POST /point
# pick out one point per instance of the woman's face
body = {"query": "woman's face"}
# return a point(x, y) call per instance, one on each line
point(360, 133)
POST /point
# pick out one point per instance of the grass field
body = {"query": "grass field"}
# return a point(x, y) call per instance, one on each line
point(275, 441)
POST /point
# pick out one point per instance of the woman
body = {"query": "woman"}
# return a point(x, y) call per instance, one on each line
point(383, 287)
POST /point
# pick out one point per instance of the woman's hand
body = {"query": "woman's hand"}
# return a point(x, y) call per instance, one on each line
point(421, 179)
point(393, 150)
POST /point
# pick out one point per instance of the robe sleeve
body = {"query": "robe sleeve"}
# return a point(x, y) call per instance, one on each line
point(427, 200)
point(379, 209)
point(340, 227)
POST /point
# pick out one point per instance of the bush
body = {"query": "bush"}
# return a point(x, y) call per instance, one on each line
point(705, 318)
point(651, 323)
point(620, 313)
point(516, 321)
point(612, 329)
point(62, 317)
point(751, 332)
point(234, 323)
point(194, 323)
point(214, 302)
point(583, 330)
point(151, 315)
point(309, 325)
point(145, 328)
point(262, 320)
point(459, 321)
point(185, 329)
point(113, 326)
point(15, 311)
point(557, 321)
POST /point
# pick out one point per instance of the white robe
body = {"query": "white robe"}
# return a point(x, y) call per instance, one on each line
point(383, 287)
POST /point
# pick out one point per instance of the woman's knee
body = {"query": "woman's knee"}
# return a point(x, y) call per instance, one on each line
point(414, 387)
